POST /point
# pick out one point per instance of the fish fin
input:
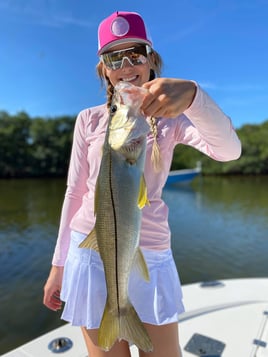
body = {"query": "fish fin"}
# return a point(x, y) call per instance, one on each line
point(141, 265)
point(90, 241)
point(142, 198)
point(109, 330)
point(133, 330)
point(126, 325)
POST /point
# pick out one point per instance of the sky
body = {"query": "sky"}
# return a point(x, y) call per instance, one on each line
point(48, 52)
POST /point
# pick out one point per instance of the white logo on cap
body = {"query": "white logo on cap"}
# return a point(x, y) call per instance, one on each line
point(120, 27)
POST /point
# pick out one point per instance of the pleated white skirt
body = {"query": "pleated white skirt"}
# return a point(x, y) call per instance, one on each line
point(157, 302)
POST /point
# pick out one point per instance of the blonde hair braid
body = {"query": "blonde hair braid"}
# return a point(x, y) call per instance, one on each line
point(156, 155)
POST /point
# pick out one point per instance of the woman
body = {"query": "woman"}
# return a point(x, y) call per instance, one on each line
point(178, 111)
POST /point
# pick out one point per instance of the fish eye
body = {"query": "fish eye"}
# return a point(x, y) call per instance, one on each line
point(113, 109)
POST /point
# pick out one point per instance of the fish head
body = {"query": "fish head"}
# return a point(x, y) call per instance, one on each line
point(128, 127)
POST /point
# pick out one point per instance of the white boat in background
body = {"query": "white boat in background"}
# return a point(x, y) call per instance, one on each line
point(227, 318)
point(184, 175)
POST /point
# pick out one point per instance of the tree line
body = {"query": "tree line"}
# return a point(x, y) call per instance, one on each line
point(34, 147)
point(253, 160)
point(40, 147)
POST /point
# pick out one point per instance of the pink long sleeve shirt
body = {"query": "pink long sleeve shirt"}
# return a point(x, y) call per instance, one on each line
point(203, 126)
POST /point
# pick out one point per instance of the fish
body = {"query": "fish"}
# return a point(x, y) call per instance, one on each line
point(120, 195)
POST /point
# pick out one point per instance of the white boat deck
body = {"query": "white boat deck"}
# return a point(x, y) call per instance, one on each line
point(229, 319)
point(235, 314)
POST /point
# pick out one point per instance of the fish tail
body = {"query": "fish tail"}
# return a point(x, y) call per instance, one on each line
point(125, 326)
point(109, 329)
point(133, 330)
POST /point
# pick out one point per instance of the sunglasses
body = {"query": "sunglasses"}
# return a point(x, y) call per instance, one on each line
point(135, 56)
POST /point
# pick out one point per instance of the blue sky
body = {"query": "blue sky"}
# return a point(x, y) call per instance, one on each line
point(48, 52)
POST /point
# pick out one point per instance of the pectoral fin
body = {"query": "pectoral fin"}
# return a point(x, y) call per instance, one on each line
point(142, 198)
point(90, 241)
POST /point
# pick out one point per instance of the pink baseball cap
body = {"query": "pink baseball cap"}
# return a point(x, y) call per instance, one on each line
point(121, 27)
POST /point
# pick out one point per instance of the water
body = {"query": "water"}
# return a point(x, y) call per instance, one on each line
point(219, 230)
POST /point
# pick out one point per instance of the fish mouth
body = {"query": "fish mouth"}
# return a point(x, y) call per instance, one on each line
point(132, 150)
point(133, 144)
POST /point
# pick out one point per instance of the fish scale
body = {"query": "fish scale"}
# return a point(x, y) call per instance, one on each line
point(120, 195)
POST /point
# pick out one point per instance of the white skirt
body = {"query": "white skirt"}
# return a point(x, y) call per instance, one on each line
point(84, 290)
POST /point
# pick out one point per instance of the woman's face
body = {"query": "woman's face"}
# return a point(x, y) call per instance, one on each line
point(135, 74)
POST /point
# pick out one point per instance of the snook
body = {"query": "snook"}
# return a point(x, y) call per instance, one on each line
point(120, 195)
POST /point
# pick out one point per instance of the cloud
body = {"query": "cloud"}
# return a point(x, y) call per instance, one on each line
point(208, 85)
point(200, 17)
point(64, 20)
point(241, 87)
point(70, 20)
point(42, 12)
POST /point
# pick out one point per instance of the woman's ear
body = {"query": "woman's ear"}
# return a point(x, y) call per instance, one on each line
point(101, 70)
point(152, 63)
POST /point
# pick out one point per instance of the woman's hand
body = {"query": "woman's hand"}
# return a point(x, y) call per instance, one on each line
point(52, 289)
point(168, 97)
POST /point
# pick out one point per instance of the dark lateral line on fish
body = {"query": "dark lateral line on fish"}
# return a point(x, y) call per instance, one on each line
point(115, 233)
